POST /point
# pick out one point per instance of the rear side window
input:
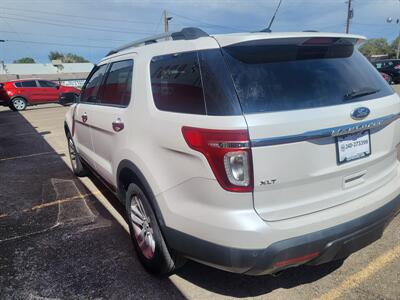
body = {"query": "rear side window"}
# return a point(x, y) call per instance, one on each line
point(195, 82)
point(29, 83)
point(47, 84)
point(18, 84)
point(176, 83)
point(91, 87)
point(281, 75)
point(116, 89)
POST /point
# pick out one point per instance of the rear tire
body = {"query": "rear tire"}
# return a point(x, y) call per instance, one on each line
point(78, 167)
point(12, 107)
point(146, 235)
point(18, 103)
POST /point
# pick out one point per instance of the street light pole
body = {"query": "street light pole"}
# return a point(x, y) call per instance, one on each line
point(1, 41)
point(389, 20)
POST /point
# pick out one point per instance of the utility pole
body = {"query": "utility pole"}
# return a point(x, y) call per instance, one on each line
point(166, 20)
point(349, 15)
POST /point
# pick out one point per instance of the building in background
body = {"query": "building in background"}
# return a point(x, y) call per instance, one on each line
point(71, 74)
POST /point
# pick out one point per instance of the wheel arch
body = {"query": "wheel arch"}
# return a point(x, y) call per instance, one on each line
point(128, 172)
point(20, 96)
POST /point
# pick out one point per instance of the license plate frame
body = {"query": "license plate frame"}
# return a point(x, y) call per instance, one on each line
point(343, 138)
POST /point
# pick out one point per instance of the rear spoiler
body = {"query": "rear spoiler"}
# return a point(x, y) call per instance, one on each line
point(304, 38)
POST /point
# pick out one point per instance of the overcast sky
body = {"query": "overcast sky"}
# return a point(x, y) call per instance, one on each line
point(92, 27)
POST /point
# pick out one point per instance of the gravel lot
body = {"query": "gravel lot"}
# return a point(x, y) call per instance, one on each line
point(63, 237)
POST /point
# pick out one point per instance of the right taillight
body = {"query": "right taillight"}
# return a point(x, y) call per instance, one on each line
point(228, 153)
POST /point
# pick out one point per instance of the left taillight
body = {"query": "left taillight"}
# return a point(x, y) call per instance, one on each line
point(228, 154)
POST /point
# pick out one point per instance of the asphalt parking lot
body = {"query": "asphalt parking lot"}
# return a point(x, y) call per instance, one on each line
point(62, 237)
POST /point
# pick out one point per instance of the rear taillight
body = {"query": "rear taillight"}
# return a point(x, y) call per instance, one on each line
point(228, 153)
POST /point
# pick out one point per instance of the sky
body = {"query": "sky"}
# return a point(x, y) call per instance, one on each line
point(91, 28)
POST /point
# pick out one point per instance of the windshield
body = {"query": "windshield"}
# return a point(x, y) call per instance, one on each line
point(276, 77)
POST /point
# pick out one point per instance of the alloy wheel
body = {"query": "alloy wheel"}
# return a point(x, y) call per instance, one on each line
point(143, 231)
point(19, 104)
point(72, 154)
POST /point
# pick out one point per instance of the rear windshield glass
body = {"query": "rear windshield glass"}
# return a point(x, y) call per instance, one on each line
point(285, 75)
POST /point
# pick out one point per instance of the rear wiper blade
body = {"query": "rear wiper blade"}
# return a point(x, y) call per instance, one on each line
point(360, 92)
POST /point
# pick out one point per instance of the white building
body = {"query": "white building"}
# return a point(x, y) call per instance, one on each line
point(69, 74)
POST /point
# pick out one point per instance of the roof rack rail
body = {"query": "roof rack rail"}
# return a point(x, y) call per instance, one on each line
point(310, 30)
point(188, 33)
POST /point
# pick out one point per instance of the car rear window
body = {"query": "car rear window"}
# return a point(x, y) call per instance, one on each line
point(279, 75)
point(176, 83)
point(29, 83)
point(47, 84)
point(196, 82)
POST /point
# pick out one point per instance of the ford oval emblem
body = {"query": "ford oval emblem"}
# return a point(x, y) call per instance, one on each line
point(360, 113)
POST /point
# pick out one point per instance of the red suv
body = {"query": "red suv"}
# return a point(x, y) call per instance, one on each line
point(18, 94)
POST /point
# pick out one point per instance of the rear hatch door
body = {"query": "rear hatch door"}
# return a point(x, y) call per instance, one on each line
point(321, 119)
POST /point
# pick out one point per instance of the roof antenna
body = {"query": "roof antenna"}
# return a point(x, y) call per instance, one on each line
point(268, 29)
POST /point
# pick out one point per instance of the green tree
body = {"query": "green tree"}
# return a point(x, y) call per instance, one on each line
point(66, 58)
point(54, 55)
point(376, 47)
point(24, 60)
point(395, 44)
point(73, 58)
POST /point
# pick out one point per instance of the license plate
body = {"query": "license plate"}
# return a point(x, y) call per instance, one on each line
point(353, 146)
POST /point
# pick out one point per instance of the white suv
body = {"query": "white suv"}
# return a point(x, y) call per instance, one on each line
point(249, 152)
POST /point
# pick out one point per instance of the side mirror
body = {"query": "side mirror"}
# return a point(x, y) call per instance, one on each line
point(57, 87)
point(68, 98)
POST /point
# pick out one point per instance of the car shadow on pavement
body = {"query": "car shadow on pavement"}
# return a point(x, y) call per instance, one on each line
point(241, 286)
point(56, 239)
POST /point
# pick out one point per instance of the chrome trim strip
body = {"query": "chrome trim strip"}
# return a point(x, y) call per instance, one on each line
point(327, 132)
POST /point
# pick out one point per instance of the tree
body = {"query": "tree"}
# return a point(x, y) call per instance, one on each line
point(24, 60)
point(395, 44)
point(376, 47)
point(55, 55)
point(66, 58)
point(73, 58)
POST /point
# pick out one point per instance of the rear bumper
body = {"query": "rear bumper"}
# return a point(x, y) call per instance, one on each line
point(4, 102)
point(313, 248)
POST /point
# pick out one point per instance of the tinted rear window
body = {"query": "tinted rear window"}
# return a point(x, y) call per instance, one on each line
point(47, 84)
point(196, 82)
point(176, 83)
point(30, 83)
point(282, 76)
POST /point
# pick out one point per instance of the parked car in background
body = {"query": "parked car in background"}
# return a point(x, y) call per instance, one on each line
point(386, 77)
point(390, 67)
point(18, 94)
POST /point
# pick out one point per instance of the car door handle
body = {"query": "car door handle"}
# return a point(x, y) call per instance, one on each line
point(118, 125)
point(84, 117)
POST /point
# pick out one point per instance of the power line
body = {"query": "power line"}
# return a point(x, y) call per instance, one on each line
point(34, 18)
point(58, 44)
point(74, 26)
point(61, 36)
point(205, 24)
point(80, 17)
